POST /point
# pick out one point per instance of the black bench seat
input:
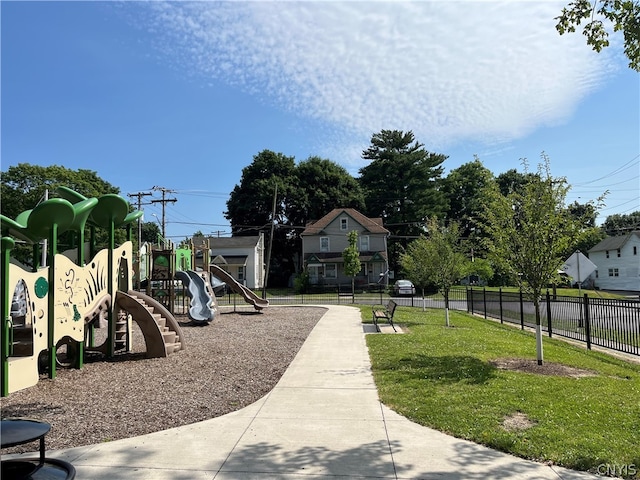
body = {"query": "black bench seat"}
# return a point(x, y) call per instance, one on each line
point(384, 312)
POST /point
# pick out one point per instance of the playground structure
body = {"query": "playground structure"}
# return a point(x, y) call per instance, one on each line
point(168, 265)
point(50, 313)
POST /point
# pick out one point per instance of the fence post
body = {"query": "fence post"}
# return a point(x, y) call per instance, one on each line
point(500, 297)
point(468, 300)
point(549, 313)
point(484, 301)
point(471, 295)
point(521, 312)
point(587, 321)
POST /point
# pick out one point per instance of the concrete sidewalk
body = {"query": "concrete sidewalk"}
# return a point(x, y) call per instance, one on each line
point(322, 420)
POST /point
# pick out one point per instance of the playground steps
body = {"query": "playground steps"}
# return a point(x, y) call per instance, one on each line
point(122, 329)
point(171, 338)
point(169, 330)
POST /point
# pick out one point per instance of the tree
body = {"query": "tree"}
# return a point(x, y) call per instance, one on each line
point(621, 224)
point(351, 258)
point(23, 186)
point(250, 208)
point(466, 190)
point(306, 192)
point(589, 235)
point(436, 259)
point(623, 15)
point(481, 267)
point(512, 181)
point(151, 232)
point(321, 185)
point(530, 230)
point(401, 185)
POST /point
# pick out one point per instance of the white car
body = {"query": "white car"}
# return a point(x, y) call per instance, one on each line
point(404, 287)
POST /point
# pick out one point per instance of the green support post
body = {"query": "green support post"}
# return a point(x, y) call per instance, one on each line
point(51, 265)
point(7, 245)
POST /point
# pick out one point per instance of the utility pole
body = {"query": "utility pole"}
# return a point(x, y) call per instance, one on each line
point(273, 225)
point(164, 201)
point(139, 195)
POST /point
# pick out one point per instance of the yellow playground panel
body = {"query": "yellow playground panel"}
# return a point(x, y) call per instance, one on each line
point(50, 313)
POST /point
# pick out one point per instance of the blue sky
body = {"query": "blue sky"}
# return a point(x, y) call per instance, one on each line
point(182, 95)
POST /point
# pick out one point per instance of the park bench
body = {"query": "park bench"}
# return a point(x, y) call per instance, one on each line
point(384, 312)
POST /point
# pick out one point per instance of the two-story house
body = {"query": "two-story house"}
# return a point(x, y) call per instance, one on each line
point(618, 262)
point(324, 240)
point(242, 257)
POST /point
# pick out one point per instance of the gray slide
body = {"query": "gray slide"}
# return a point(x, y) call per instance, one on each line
point(202, 307)
point(248, 295)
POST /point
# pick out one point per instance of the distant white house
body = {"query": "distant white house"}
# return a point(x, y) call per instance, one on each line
point(242, 257)
point(618, 262)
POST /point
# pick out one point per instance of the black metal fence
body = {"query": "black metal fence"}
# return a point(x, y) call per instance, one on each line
point(609, 323)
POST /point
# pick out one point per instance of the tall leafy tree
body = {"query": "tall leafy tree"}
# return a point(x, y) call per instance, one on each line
point(589, 235)
point(250, 209)
point(401, 184)
point(466, 190)
point(512, 180)
point(530, 230)
point(250, 204)
point(321, 185)
point(435, 258)
point(622, 15)
point(621, 224)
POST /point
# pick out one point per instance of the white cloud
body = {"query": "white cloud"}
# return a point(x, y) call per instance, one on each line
point(453, 71)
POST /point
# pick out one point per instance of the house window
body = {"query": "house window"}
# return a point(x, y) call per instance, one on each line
point(324, 244)
point(607, 252)
point(344, 224)
point(597, 274)
point(364, 243)
point(330, 270)
point(635, 250)
point(618, 252)
point(613, 272)
point(241, 274)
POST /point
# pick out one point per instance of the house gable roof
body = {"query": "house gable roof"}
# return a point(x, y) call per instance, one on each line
point(613, 243)
point(227, 242)
point(371, 225)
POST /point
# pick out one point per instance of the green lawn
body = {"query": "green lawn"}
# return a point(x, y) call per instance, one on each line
point(442, 378)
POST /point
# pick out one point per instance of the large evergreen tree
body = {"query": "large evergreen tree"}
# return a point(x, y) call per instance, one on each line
point(401, 185)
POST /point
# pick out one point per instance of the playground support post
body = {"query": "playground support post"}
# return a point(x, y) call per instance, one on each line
point(51, 344)
point(6, 247)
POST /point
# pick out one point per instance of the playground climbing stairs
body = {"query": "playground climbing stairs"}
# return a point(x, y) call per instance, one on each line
point(162, 332)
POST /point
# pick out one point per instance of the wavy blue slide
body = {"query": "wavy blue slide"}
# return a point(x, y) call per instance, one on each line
point(203, 305)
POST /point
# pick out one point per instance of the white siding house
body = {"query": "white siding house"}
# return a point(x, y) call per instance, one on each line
point(323, 242)
point(618, 262)
point(242, 257)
